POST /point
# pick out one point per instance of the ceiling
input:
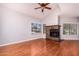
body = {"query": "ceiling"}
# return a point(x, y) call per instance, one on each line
point(65, 9)
point(28, 9)
point(69, 9)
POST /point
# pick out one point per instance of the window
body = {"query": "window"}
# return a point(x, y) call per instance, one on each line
point(70, 29)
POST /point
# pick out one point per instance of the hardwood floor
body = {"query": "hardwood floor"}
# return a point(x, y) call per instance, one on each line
point(42, 47)
point(70, 48)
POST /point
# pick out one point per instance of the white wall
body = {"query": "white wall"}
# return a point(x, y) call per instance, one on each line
point(52, 19)
point(0, 23)
point(16, 27)
point(70, 20)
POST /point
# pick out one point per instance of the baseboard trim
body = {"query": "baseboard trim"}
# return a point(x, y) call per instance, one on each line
point(17, 42)
point(69, 39)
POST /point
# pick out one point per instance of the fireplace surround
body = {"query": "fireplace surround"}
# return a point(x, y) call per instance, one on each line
point(53, 32)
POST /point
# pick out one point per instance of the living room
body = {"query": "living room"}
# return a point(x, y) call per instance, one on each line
point(38, 29)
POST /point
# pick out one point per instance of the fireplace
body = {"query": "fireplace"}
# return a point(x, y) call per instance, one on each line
point(54, 33)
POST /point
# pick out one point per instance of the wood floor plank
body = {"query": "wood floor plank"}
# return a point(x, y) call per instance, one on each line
point(42, 47)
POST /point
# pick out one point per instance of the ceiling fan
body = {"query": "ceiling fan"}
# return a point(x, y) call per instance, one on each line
point(43, 6)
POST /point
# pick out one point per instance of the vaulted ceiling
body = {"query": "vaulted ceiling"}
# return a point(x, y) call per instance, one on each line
point(65, 9)
point(69, 9)
point(29, 9)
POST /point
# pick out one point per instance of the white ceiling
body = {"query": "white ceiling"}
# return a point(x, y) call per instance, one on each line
point(69, 9)
point(65, 9)
point(28, 9)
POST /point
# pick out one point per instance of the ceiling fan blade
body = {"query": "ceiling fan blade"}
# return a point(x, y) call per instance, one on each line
point(48, 8)
point(40, 4)
point(43, 4)
point(37, 7)
point(46, 4)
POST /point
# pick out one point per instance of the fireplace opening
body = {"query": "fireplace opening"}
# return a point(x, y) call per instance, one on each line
point(54, 33)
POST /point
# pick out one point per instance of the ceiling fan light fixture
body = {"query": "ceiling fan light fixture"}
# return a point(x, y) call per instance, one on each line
point(43, 6)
